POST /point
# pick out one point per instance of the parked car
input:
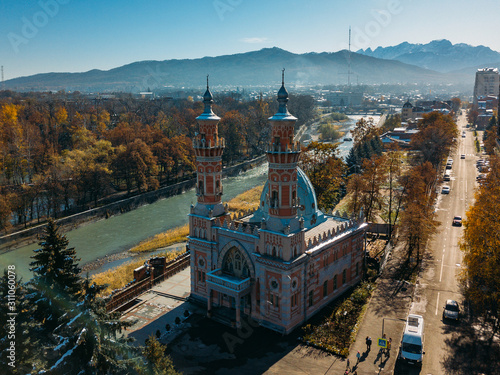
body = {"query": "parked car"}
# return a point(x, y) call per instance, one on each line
point(447, 176)
point(457, 221)
point(445, 190)
point(462, 156)
point(448, 166)
point(451, 310)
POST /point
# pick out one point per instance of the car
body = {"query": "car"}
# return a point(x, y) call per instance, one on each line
point(462, 156)
point(446, 177)
point(445, 190)
point(448, 166)
point(451, 310)
point(457, 221)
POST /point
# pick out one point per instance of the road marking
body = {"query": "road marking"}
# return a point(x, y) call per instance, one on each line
point(442, 264)
point(437, 303)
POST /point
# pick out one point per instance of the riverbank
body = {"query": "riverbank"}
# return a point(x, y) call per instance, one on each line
point(27, 236)
point(125, 262)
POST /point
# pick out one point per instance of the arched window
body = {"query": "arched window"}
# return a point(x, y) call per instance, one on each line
point(200, 188)
point(234, 263)
point(274, 199)
point(274, 252)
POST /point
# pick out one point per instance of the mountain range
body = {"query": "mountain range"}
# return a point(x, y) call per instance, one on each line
point(438, 55)
point(435, 62)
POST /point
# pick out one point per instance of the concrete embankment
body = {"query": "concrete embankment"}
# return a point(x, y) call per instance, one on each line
point(24, 237)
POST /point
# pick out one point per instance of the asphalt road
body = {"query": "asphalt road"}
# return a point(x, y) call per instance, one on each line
point(439, 278)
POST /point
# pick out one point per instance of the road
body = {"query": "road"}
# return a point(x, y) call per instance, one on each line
point(439, 279)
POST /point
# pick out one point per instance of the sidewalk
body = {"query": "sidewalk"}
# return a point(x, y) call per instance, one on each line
point(388, 307)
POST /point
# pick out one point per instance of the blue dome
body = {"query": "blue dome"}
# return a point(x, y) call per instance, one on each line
point(307, 199)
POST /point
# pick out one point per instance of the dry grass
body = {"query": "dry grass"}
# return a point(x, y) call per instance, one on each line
point(165, 239)
point(249, 200)
point(120, 276)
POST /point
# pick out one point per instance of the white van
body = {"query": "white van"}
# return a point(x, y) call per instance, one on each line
point(412, 345)
point(447, 176)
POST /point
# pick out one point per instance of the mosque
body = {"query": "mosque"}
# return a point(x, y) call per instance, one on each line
point(280, 264)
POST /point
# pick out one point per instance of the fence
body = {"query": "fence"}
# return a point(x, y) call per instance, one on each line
point(122, 297)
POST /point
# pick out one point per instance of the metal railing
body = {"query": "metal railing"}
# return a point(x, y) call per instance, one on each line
point(124, 296)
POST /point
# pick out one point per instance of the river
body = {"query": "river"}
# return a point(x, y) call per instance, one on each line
point(121, 232)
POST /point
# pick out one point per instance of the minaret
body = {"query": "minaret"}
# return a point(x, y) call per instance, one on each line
point(208, 148)
point(283, 156)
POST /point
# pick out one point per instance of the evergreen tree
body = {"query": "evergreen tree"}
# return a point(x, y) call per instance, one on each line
point(56, 279)
point(19, 328)
point(353, 161)
point(88, 342)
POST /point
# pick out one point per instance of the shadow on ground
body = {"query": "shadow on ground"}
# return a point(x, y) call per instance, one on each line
point(470, 352)
point(208, 347)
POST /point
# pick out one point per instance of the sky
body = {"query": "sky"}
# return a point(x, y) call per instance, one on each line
point(41, 36)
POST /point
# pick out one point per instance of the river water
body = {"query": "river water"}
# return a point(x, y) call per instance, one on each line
point(121, 232)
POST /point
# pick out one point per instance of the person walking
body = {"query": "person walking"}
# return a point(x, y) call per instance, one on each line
point(368, 343)
point(389, 343)
point(358, 356)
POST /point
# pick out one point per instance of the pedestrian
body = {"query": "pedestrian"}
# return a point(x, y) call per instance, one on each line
point(358, 356)
point(389, 343)
point(368, 343)
point(348, 364)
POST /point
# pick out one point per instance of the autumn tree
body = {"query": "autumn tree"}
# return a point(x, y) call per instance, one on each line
point(392, 161)
point(232, 128)
point(366, 188)
point(364, 131)
point(135, 163)
point(472, 115)
point(418, 222)
point(158, 363)
point(480, 244)
point(435, 138)
point(326, 172)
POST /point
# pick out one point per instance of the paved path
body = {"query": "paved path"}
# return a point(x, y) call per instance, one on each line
point(161, 306)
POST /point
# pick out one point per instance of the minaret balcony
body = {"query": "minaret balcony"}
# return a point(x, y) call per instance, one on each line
point(202, 143)
point(279, 149)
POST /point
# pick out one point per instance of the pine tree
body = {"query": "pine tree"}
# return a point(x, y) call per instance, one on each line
point(56, 279)
point(88, 341)
point(17, 326)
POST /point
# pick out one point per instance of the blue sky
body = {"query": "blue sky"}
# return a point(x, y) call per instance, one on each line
point(75, 35)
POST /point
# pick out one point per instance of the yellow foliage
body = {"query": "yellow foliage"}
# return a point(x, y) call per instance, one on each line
point(481, 246)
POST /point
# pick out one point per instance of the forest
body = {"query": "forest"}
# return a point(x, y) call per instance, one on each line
point(63, 153)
